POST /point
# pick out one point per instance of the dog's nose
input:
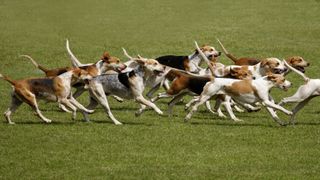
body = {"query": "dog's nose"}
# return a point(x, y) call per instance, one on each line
point(219, 53)
point(308, 64)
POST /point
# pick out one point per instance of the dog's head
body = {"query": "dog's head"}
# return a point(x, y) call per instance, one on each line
point(279, 81)
point(151, 65)
point(210, 52)
point(241, 72)
point(298, 63)
point(273, 65)
point(81, 74)
point(112, 63)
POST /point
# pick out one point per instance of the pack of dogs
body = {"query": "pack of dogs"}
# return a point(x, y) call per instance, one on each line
point(244, 86)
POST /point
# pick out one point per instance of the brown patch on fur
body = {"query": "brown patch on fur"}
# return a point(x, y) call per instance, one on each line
point(240, 87)
point(240, 73)
point(186, 64)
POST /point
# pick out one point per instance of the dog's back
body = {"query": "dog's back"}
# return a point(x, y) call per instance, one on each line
point(173, 61)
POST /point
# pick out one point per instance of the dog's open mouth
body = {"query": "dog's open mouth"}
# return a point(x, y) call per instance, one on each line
point(300, 68)
point(279, 71)
point(158, 72)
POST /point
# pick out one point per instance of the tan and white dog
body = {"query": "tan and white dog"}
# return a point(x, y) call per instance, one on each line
point(303, 95)
point(244, 92)
point(57, 89)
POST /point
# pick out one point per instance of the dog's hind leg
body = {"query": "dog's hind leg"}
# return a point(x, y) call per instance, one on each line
point(15, 103)
point(298, 107)
point(200, 101)
point(30, 99)
point(67, 103)
point(174, 101)
point(153, 90)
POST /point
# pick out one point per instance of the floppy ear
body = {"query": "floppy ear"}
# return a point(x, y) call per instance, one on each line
point(234, 71)
point(264, 62)
point(140, 60)
point(106, 56)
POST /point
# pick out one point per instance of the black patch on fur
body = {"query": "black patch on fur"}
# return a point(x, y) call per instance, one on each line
point(124, 78)
point(173, 61)
point(196, 84)
point(132, 73)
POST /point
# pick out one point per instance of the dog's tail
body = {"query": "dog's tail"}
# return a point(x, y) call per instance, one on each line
point(306, 79)
point(126, 54)
point(35, 63)
point(205, 58)
point(7, 79)
point(75, 62)
point(230, 56)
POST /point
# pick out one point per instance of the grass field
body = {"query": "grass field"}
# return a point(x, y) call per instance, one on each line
point(154, 147)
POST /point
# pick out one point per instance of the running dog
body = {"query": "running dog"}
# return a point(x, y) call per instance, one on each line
point(244, 92)
point(303, 95)
point(129, 85)
point(51, 89)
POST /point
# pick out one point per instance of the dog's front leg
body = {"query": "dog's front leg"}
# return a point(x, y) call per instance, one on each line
point(227, 105)
point(80, 106)
point(142, 100)
point(99, 94)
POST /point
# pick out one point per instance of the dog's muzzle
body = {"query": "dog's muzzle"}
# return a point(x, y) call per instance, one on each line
point(280, 71)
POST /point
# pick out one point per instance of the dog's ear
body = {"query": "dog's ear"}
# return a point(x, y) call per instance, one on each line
point(77, 72)
point(106, 56)
point(140, 61)
point(264, 62)
point(234, 71)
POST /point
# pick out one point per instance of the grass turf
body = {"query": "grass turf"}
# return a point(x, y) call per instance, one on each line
point(152, 146)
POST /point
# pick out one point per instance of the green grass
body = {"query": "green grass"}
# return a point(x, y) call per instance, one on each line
point(150, 146)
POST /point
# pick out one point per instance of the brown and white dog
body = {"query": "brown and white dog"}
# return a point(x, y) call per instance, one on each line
point(244, 92)
point(295, 61)
point(56, 88)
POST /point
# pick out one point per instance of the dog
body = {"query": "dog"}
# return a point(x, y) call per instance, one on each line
point(191, 62)
point(244, 92)
point(56, 88)
point(128, 85)
point(295, 61)
point(303, 95)
point(106, 63)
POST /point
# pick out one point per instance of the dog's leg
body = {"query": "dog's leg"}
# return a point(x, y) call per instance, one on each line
point(174, 101)
point(141, 110)
point(161, 95)
point(217, 108)
point(30, 99)
point(92, 105)
point(63, 108)
point(297, 108)
point(200, 101)
point(304, 92)
point(15, 103)
point(191, 102)
point(99, 94)
point(166, 85)
point(142, 100)
point(119, 99)
point(67, 103)
point(79, 91)
point(275, 106)
point(153, 90)
point(80, 106)
point(228, 107)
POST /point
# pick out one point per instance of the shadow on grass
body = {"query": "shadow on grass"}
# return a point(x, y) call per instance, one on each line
point(233, 124)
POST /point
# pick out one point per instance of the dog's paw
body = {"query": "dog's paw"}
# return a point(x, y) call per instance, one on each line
point(89, 111)
point(12, 123)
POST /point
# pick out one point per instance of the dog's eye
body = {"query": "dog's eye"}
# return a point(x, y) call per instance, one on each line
point(277, 64)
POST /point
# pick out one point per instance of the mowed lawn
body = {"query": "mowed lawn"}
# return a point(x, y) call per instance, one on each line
point(152, 146)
